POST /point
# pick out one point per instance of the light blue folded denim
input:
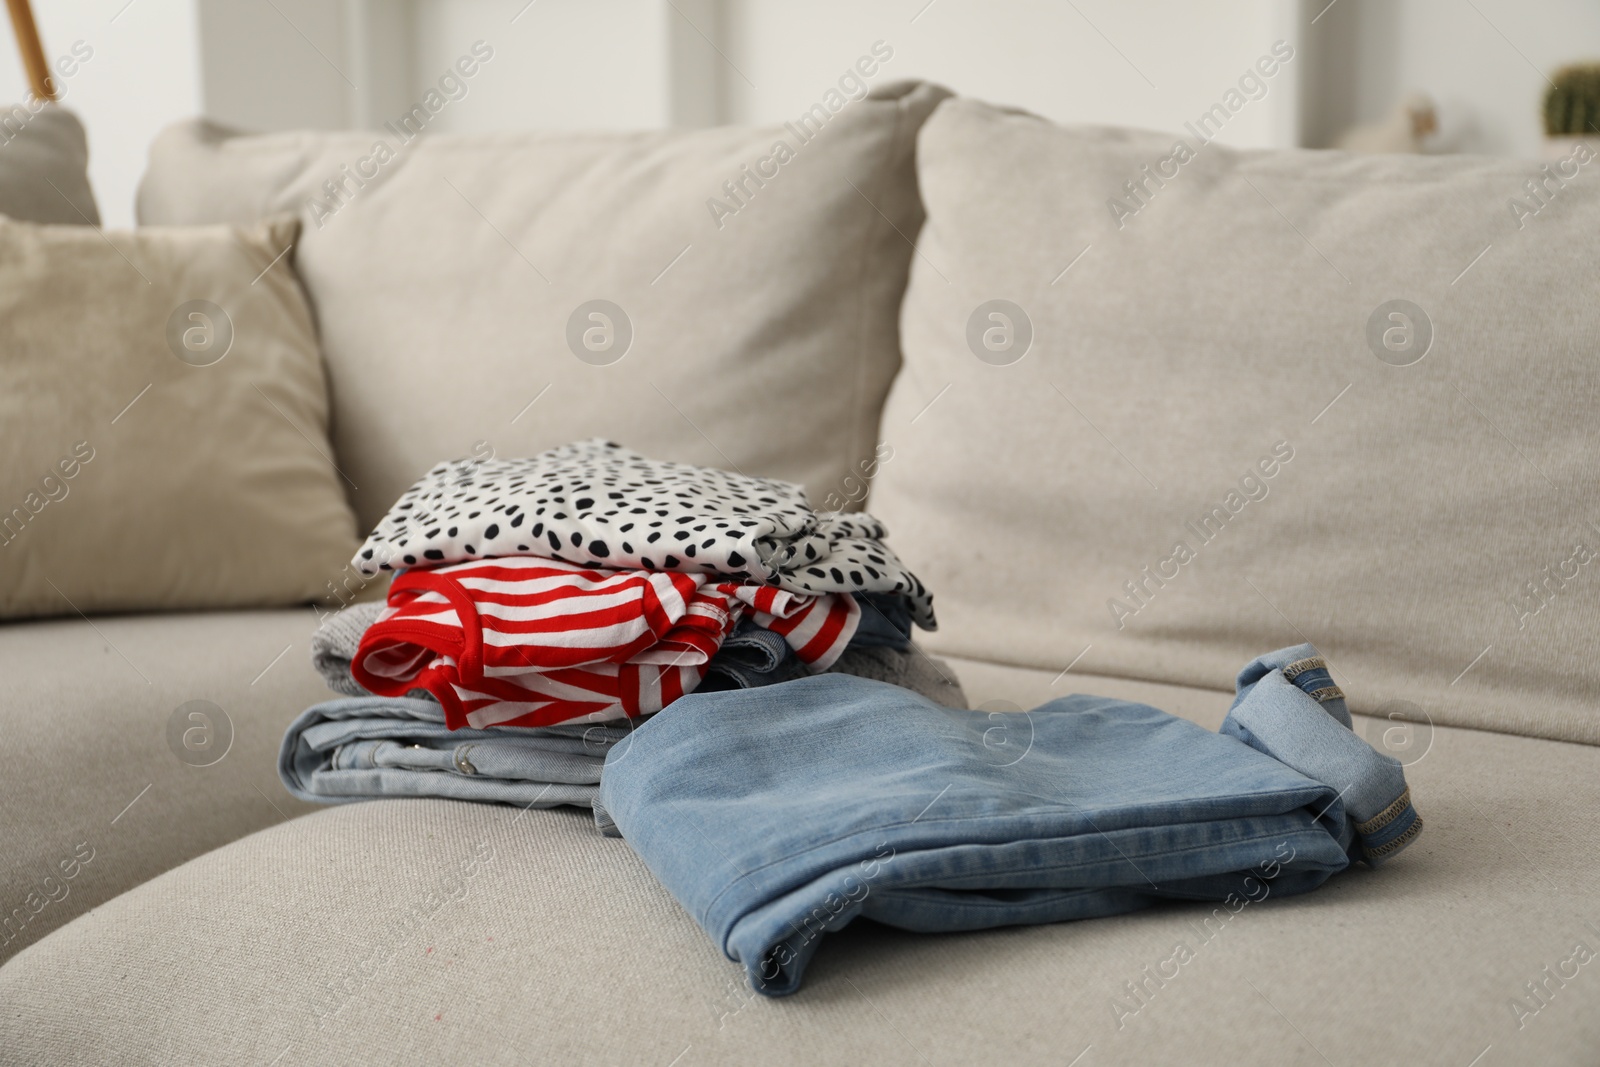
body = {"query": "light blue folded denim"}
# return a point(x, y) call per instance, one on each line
point(1267, 716)
point(364, 748)
point(776, 815)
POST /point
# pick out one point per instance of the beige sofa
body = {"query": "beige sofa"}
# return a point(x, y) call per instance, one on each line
point(1147, 362)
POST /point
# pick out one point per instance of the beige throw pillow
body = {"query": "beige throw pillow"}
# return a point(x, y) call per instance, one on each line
point(165, 416)
point(1239, 400)
point(44, 165)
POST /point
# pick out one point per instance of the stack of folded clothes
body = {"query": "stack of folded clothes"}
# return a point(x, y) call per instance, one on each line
point(539, 606)
point(812, 765)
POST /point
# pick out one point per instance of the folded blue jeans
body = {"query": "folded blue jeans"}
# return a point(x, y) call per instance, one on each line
point(1371, 784)
point(366, 748)
point(753, 655)
point(779, 814)
point(750, 656)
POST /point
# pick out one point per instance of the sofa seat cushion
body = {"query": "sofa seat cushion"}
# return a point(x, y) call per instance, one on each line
point(95, 798)
point(439, 931)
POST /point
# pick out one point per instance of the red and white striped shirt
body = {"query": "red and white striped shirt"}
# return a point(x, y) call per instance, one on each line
point(525, 641)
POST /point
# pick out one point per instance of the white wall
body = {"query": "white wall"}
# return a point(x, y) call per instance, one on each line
point(1485, 64)
point(277, 64)
point(618, 64)
point(1488, 66)
point(1150, 63)
point(145, 73)
point(613, 64)
point(563, 64)
point(1153, 64)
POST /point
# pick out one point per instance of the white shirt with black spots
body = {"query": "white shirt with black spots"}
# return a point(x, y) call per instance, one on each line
point(595, 503)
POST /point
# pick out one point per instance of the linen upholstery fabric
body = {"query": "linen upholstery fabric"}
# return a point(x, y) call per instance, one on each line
point(1196, 350)
point(87, 711)
point(1425, 953)
point(44, 166)
point(445, 286)
point(133, 479)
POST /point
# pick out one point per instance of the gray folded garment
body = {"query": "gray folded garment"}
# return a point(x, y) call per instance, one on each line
point(334, 645)
point(909, 668)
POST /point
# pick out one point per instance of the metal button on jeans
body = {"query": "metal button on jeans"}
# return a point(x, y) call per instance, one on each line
point(463, 764)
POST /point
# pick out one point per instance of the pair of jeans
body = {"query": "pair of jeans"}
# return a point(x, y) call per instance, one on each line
point(780, 814)
point(885, 622)
point(880, 648)
point(753, 655)
point(750, 656)
point(365, 748)
point(1371, 784)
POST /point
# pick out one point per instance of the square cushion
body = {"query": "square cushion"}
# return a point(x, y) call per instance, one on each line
point(44, 165)
point(1229, 401)
point(166, 423)
point(724, 296)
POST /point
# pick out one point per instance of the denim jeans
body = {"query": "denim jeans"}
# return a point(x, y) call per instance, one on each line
point(779, 814)
point(885, 621)
point(364, 748)
point(1371, 784)
point(881, 648)
point(753, 655)
point(750, 656)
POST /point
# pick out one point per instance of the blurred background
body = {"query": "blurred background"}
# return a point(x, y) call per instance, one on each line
point(1377, 75)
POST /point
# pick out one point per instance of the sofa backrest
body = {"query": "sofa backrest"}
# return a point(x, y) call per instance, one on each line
point(1167, 405)
point(726, 297)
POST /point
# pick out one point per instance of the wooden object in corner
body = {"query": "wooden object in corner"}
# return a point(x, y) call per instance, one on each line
point(27, 32)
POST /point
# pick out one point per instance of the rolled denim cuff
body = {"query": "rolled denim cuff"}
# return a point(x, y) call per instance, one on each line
point(1389, 831)
point(1289, 707)
point(1311, 676)
point(1302, 665)
point(750, 656)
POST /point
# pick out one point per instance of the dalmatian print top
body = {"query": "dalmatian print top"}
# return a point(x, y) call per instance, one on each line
point(595, 503)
